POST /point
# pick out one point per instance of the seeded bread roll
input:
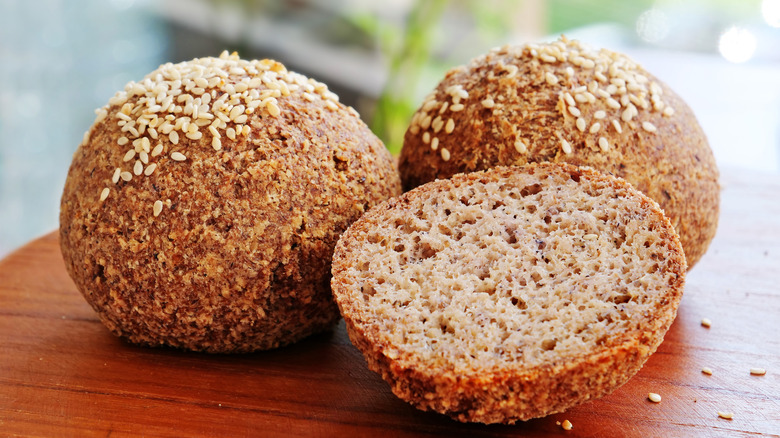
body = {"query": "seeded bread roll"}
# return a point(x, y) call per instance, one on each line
point(512, 293)
point(565, 102)
point(203, 206)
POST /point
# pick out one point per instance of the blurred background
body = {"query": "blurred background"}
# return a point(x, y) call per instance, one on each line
point(59, 60)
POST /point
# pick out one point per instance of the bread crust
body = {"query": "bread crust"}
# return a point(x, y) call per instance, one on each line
point(674, 164)
point(238, 257)
point(503, 393)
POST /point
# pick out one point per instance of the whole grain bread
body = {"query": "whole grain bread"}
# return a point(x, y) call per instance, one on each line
point(565, 102)
point(203, 206)
point(512, 293)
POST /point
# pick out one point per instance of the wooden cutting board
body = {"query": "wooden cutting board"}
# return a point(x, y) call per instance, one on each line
point(63, 374)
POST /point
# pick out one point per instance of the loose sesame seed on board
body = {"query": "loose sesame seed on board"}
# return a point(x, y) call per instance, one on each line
point(205, 98)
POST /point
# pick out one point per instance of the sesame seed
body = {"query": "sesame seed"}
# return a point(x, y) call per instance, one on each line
point(550, 78)
point(437, 124)
point(150, 169)
point(600, 114)
point(157, 150)
point(194, 135)
point(566, 146)
point(104, 194)
point(705, 322)
point(757, 371)
point(649, 127)
point(457, 107)
point(178, 156)
point(726, 415)
point(450, 126)
point(548, 58)
point(429, 105)
point(574, 111)
point(594, 128)
point(115, 176)
point(273, 109)
point(627, 115)
point(581, 98)
point(129, 155)
point(707, 371)
point(144, 157)
point(566, 425)
point(138, 167)
point(590, 236)
point(569, 71)
point(653, 397)
point(126, 176)
point(603, 144)
point(520, 146)
point(617, 126)
point(157, 208)
point(488, 103)
point(668, 111)
point(435, 143)
point(174, 137)
point(570, 100)
point(445, 154)
point(216, 143)
point(426, 137)
point(581, 124)
point(122, 141)
point(444, 107)
point(612, 103)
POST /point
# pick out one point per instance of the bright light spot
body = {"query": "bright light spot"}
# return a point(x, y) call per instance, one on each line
point(737, 44)
point(652, 26)
point(770, 10)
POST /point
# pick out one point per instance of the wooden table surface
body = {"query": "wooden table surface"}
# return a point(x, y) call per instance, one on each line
point(63, 374)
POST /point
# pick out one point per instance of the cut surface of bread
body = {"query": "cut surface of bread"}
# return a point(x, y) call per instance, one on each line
point(512, 293)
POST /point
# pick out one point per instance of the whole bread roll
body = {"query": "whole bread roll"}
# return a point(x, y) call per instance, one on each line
point(203, 206)
point(564, 102)
point(512, 293)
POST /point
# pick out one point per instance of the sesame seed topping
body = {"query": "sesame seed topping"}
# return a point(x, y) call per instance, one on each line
point(705, 322)
point(566, 146)
point(138, 167)
point(566, 425)
point(178, 156)
point(457, 107)
point(668, 111)
point(129, 155)
point(115, 177)
point(600, 114)
point(435, 143)
point(174, 137)
point(707, 371)
point(570, 100)
point(603, 144)
point(649, 127)
point(617, 126)
point(150, 169)
point(450, 126)
point(653, 397)
point(104, 194)
point(157, 208)
point(594, 128)
point(574, 111)
point(445, 154)
point(520, 146)
point(590, 236)
point(581, 124)
point(550, 78)
point(126, 176)
point(122, 141)
point(757, 371)
point(426, 137)
point(488, 103)
point(726, 415)
point(157, 150)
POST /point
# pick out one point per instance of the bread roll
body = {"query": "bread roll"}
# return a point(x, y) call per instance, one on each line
point(512, 293)
point(202, 208)
point(564, 102)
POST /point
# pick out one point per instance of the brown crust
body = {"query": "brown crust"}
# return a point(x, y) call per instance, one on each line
point(239, 258)
point(504, 395)
point(674, 165)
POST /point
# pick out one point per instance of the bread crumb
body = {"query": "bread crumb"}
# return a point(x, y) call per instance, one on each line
point(566, 425)
point(705, 322)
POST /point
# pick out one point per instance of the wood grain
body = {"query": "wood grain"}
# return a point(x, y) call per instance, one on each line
point(63, 374)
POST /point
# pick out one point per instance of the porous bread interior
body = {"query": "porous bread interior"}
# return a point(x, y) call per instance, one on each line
point(529, 270)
